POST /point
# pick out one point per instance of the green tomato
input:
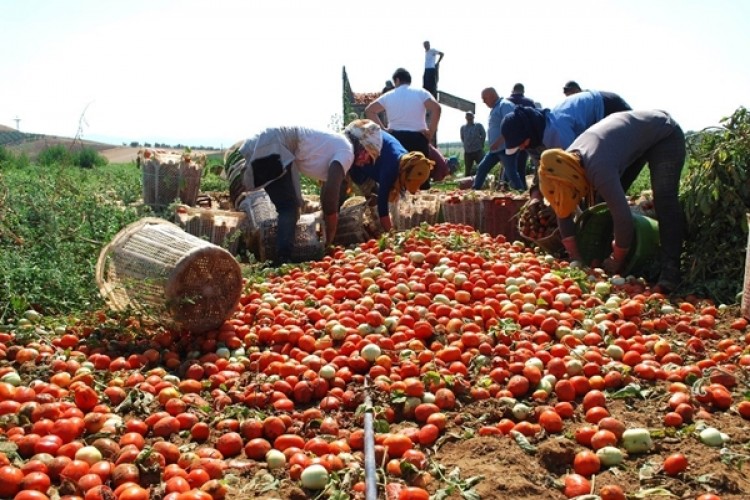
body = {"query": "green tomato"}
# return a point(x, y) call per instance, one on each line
point(314, 477)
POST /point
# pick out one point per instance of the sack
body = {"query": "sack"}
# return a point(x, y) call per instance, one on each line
point(440, 171)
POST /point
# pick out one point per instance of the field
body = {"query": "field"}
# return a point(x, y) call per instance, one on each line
point(486, 368)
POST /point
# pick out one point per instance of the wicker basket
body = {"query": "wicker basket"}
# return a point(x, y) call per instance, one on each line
point(156, 268)
point(412, 210)
point(308, 244)
point(462, 209)
point(259, 210)
point(167, 176)
point(351, 226)
point(552, 242)
point(220, 227)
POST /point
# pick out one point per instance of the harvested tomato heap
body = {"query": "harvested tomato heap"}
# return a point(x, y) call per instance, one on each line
point(438, 320)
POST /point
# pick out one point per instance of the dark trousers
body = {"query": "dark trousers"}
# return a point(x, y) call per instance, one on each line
point(284, 197)
point(472, 158)
point(665, 162)
point(509, 167)
point(521, 158)
point(430, 80)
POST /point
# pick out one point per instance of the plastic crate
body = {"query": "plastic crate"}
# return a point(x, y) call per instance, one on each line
point(220, 227)
point(500, 215)
point(308, 244)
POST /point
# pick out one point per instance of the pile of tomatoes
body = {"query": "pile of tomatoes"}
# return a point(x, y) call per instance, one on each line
point(432, 322)
point(537, 220)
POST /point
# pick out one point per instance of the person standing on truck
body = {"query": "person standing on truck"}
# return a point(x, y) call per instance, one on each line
point(613, 149)
point(432, 58)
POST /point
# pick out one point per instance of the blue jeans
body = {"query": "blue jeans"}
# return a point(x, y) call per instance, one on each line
point(521, 158)
point(509, 166)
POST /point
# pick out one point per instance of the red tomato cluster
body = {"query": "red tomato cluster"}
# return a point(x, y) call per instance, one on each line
point(443, 318)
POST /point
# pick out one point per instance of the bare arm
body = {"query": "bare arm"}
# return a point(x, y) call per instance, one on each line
point(440, 57)
point(372, 110)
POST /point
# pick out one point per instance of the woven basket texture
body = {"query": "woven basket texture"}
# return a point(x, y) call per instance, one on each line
point(412, 210)
point(167, 177)
point(220, 227)
point(154, 267)
point(308, 244)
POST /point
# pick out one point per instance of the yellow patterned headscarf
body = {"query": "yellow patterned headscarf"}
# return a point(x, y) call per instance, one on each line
point(562, 181)
point(414, 168)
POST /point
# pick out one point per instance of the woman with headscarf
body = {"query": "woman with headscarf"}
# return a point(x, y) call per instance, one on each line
point(394, 170)
point(534, 130)
point(614, 149)
point(276, 157)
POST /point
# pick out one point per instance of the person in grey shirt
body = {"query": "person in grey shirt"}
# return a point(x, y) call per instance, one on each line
point(617, 148)
point(472, 137)
point(534, 130)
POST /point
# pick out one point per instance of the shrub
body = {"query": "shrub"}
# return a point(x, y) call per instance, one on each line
point(10, 159)
point(51, 238)
point(89, 158)
point(715, 194)
point(55, 155)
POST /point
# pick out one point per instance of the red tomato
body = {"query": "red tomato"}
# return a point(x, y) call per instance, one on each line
point(675, 463)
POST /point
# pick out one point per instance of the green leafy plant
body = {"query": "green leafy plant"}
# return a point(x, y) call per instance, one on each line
point(55, 155)
point(715, 195)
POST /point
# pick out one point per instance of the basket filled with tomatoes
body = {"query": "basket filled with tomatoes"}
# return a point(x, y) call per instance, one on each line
point(537, 224)
point(462, 207)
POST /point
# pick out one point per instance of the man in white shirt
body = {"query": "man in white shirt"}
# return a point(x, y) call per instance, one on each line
point(406, 110)
point(274, 159)
point(432, 58)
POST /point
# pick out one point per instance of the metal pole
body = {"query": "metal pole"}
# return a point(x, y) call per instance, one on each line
point(371, 475)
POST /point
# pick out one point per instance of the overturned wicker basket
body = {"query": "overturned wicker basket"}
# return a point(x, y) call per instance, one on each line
point(154, 267)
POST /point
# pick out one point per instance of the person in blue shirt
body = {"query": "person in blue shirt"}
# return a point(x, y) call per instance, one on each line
point(499, 109)
point(393, 169)
point(534, 130)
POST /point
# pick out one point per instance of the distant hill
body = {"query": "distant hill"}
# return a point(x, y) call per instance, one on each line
point(32, 144)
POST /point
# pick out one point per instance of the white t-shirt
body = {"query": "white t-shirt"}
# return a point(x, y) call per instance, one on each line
point(317, 150)
point(405, 109)
point(430, 58)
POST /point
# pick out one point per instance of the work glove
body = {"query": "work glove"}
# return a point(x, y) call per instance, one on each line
point(615, 263)
point(571, 247)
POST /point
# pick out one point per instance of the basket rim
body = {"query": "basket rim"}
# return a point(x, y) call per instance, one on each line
point(105, 287)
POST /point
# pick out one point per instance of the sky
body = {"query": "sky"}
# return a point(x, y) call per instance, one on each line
point(213, 72)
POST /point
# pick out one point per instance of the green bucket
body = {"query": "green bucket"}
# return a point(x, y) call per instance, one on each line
point(595, 231)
